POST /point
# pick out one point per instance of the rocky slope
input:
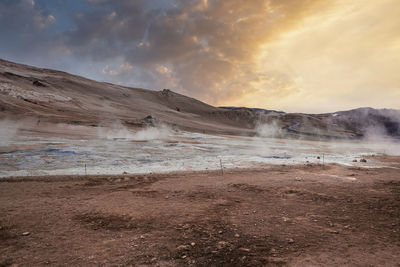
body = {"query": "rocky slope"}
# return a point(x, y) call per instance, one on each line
point(45, 97)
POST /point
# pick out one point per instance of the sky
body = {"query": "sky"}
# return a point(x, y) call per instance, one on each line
point(310, 56)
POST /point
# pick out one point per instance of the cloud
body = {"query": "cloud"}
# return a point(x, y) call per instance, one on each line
point(205, 47)
point(265, 53)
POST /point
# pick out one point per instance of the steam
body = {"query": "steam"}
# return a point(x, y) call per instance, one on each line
point(269, 130)
point(119, 131)
point(152, 133)
point(8, 130)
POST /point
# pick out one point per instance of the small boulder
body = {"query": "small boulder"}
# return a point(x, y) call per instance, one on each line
point(38, 83)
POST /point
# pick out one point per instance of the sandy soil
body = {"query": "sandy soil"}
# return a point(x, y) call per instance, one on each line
point(303, 215)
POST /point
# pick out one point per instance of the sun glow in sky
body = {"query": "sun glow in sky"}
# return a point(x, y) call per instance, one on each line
point(291, 55)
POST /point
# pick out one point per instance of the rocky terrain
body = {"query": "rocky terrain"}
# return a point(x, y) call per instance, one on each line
point(304, 215)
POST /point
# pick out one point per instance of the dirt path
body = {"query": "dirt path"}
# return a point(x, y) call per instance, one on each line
point(286, 215)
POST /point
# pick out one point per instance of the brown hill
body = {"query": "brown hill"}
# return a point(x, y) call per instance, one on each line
point(48, 96)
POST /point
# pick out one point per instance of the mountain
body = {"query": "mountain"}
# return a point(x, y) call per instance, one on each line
point(46, 97)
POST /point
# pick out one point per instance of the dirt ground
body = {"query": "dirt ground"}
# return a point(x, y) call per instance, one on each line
point(304, 215)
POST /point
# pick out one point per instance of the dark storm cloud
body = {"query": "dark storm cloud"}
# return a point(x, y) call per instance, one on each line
point(204, 48)
point(196, 46)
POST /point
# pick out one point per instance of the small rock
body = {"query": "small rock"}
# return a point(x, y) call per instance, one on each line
point(290, 240)
point(222, 244)
point(193, 244)
point(124, 173)
point(142, 237)
point(354, 160)
point(26, 233)
point(244, 249)
point(318, 157)
point(183, 247)
point(363, 160)
point(184, 257)
point(220, 232)
point(237, 235)
point(38, 83)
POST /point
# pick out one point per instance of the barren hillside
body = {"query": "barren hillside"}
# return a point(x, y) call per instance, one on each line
point(45, 97)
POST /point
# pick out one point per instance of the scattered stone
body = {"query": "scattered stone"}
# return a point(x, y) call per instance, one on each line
point(183, 247)
point(193, 244)
point(237, 235)
point(220, 232)
point(333, 231)
point(222, 244)
point(290, 240)
point(244, 249)
point(363, 160)
point(124, 173)
point(186, 226)
point(318, 157)
point(142, 237)
point(184, 257)
point(26, 233)
point(354, 160)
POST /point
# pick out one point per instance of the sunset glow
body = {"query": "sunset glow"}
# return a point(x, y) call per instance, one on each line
point(291, 55)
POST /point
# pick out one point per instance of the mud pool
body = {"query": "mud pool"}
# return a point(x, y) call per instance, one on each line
point(179, 151)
